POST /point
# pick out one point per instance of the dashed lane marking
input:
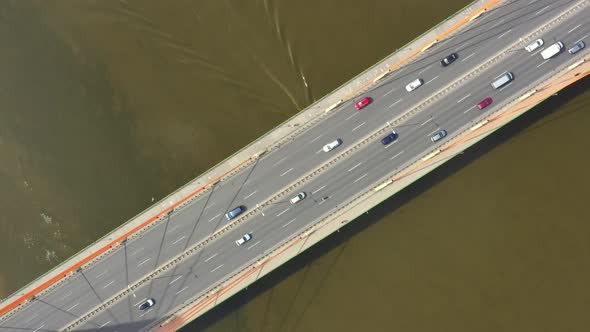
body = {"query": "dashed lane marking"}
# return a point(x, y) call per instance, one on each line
point(504, 34)
point(147, 260)
point(254, 192)
point(469, 56)
point(287, 171)
point(355, 166)
point(210, 258)
point(254, 245)
point(390, 106)
point(355, 181)
point(287, 224)
point(217, 268)
point(179, 239)
point(216, 216)
point(396, 155)
point(460, 100)
point(278, 215)
point(357, 127)
point(320, 188)
point(175, 280)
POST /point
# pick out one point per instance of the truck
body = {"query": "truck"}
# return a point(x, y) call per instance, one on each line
point(552, 50)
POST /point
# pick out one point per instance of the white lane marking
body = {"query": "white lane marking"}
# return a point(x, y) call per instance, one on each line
point(37, 329)
point(103, 325)
point(582, 38)
point(102, 274)
point(254, 245)
point(287, 224)
point(357, 127)
point(504, 34)
point(431, 80)
point(179, 239)
point(254, 192)
point(390, 144)
point(287, 171)
point(469, 109)
point(210, 258)
point(355, 166)
point(172, 228)
point(531, 1)
point(280, 161)
point(425, 122)
point(210, 205)
point(355, 181)
point(390, 106)
point(136, 252)
point(278, 215)
point(469, 56)
point(140, 264)
point(182, 290)
point(217, 268)
point(396, 155)
point(315, 139)
point(216, 216)
point(542, 10)
point(542, 63)
point(460, 100)
point(390, 91)
point(535, 53)
point(140, 302)
point(436, 130)
point(320, 188)
point(318, 151)
point(353, 115)
point(505, 86)
point(145, 313)
point(423, 70)
point(107, 285)
point(574, 28)
point(72, 307)
point(175, 280)
point(497, 23)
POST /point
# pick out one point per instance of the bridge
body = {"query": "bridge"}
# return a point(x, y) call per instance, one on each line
point(182, 251)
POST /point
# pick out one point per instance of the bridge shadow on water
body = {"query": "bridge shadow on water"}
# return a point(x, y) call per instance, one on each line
point(528, 121)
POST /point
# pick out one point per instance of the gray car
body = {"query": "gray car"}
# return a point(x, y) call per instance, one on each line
point(577, 47)
point(440, 135)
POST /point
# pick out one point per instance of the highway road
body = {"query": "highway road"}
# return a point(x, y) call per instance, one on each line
point(483, 39)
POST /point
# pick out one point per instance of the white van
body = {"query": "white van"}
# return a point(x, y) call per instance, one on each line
point(502, 80)
point(552, 50)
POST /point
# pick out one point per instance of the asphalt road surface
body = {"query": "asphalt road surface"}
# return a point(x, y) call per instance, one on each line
point(482, 40)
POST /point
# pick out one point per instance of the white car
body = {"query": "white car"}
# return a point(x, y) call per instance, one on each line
point(414, 84)
point(330, 146)
point(534, 45)
point(244, 239)
point(298, 198)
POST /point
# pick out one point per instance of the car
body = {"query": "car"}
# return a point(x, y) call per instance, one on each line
point(298, 198)
point(147, 304)
point(484, 103)
point(244, 239)
point(332, 145)
point(361, 104)
point(414, 84)
point(534, 45)
point(449, 59)
point(235, 212)
point(389, 138)
point(577, 47)
point(440, 135)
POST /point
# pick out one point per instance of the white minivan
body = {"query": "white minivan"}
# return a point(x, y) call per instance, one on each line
point(552, 50)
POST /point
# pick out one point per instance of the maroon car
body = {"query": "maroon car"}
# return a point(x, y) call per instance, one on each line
point(484, 103)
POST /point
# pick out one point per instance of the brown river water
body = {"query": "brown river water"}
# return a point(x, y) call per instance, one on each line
point(107, 106)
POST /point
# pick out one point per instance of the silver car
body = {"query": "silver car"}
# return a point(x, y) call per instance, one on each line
point(330, 146)
point(440, 135)
point(244, 239)
point(414, 84)
point(577, 47)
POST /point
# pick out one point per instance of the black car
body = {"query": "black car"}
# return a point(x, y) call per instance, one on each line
point(389, 138)
point(449, 59)
point(147, 304)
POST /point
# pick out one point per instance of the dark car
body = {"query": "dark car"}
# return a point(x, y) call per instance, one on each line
point(389, 138)
point(235, 212)
point(577, 47)
point(449, 59)
point(440, 135)
point(147, 304)
point(484, 103)
point(361, 104)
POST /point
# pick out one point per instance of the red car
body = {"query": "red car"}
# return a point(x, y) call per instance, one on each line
point(484, 103)
point(361, 104)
